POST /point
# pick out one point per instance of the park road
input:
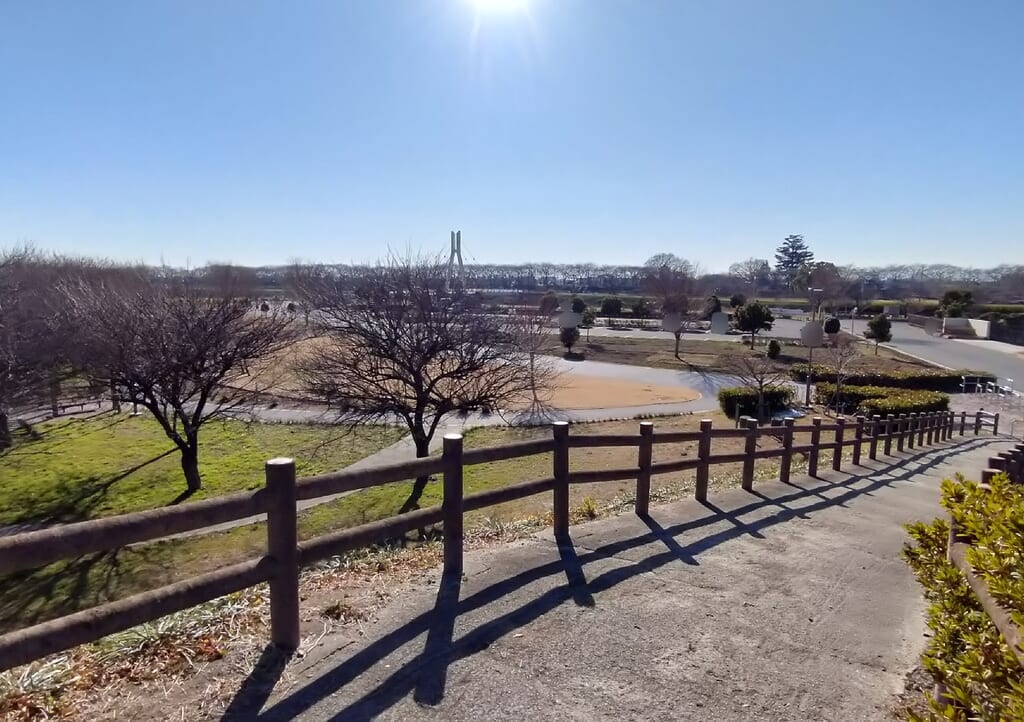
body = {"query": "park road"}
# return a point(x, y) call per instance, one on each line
point(790, 602)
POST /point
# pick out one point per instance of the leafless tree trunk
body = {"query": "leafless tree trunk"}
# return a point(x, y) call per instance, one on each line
point(394, 345)
point(32, 342)
point(184, 351)
point(758, 372)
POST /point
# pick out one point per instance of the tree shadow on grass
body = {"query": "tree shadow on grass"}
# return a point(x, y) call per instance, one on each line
point(32, 596)
point(78, 499)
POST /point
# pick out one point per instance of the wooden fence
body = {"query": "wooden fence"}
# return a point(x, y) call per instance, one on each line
point(285, 555)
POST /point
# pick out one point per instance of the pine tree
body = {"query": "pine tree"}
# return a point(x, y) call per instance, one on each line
point(791, 256)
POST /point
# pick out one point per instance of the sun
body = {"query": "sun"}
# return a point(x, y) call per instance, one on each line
point(485, 6)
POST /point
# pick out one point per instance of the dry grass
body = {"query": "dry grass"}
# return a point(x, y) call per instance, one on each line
point(717, 356)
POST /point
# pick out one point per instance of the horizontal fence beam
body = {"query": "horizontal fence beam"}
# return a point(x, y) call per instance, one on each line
point(515, 450)
point(729, 433)
point(592, 440)
point(726, 458)
point(675, 437)
point(339, 482)
point(67, 541)
point(667, 467)
point(590, 477)
point(57, 635)
point(503, 494)
point(339, 542)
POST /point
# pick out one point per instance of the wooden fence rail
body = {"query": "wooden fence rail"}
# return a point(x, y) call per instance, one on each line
point(285, 555)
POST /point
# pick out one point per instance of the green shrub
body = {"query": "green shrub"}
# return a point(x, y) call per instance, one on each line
point(774, 349)
point(742, 400)
point(923, 379)
point(870, 400)
point(965, 651)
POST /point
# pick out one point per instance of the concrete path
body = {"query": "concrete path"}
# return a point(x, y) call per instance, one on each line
point(953, 353)
point(790, 602)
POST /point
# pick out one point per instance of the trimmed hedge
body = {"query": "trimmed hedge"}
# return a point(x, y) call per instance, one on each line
point(923, 380)
point(870, 400)
point(965, 651)
point(743, 400)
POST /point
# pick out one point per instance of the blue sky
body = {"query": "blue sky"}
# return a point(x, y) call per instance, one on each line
point(885, 131)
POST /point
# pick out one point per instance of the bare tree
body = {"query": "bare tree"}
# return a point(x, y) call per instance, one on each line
point(840, 358)
point(31, 340)
point(671, 286)
point(395, 346)
point(533, 334)
point(760, 373)
point(184, 352)
point(753, 272)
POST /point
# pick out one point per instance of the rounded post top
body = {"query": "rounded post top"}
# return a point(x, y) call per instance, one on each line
point(281, 461)
point(816, 420)
point(560, 423)
point(705, 424)
point(453, 437)
point(789, 422)
point(646, 428)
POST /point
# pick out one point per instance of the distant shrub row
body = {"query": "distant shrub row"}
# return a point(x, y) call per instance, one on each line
point(924, 379)
point(881, 400)
point(742, 401)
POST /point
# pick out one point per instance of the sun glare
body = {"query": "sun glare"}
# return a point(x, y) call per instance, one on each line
point(484, 6)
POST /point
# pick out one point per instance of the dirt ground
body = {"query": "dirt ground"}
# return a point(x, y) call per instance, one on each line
point(570, 391)
point(573, 392)
point(717, 356)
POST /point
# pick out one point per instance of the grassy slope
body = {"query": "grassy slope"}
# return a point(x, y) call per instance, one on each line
point(106, 464)
point(62, 588)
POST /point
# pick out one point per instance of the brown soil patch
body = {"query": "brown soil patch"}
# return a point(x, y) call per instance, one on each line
point(587, 392)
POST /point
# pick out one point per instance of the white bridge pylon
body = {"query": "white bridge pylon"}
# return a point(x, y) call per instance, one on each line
point(456, 255)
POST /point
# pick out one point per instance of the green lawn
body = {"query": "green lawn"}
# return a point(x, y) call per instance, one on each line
point(87, 467)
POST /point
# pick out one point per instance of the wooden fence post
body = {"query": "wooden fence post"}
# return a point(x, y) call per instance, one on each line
point(700, 492)
point(561, 474)
point(876, 423)
point(995, 425)
point(858, 435)
point(282, 545)
point(643, 477)
point(977, 422)
point(963, 422)
point(750, 449)
point(951, 432)
point(1010, 464)
point(922, 422)
point(451, 503)
point(889, 419)
point(787, 451)
point(912, 423)
point(837, 453)
point(901, 431)
point(812, 458)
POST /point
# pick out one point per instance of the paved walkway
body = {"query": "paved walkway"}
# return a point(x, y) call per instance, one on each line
point(790, 602)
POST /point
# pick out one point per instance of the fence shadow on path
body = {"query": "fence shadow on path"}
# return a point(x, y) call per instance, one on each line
point(426, 674)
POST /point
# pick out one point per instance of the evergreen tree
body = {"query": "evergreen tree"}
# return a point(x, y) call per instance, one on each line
point(791, 256)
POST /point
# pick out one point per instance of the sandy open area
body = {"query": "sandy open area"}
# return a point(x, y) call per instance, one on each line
point(592, 392)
